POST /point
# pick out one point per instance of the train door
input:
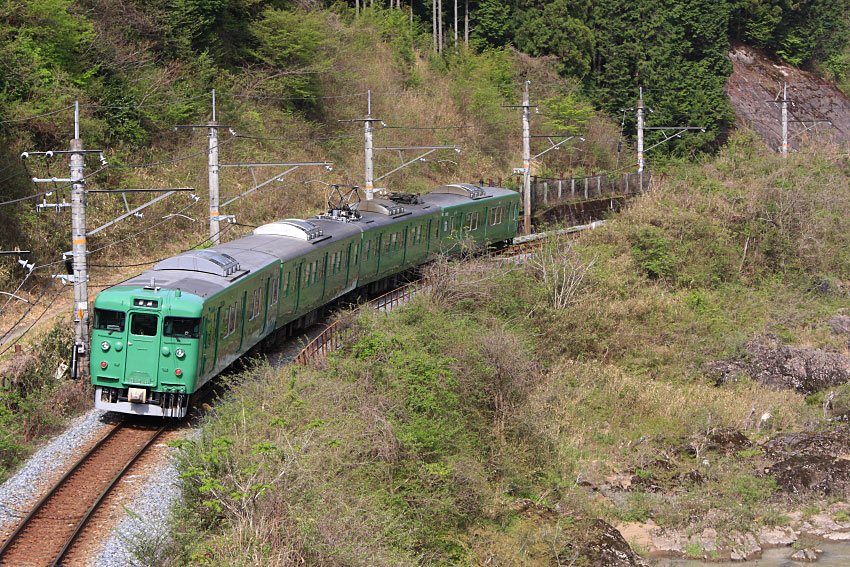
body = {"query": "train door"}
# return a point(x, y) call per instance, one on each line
point(143, 349)
point(298, 268)
point(216, 333)
point(269, 281)
point(243, 318)
point(379, 252)
point(404, 245)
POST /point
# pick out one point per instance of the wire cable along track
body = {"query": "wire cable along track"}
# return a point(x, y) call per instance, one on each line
point(46, 535)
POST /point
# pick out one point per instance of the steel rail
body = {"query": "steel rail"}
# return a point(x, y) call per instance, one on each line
point(82, 523)
point(37, 508)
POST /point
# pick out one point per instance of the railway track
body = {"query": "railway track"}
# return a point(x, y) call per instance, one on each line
point(47, 534)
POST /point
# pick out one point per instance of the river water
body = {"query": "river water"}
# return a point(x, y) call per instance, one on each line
point(834, 555)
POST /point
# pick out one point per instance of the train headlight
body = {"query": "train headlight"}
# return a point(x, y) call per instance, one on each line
point(105, 346)
point(180, 353)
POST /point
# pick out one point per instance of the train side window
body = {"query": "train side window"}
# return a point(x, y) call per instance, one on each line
point(473, 221)
point(368, 249)
point(497, 215)
point(445, 225)
point(286, 285)
point(275, 290)
point(354, 252)
point(255, 305)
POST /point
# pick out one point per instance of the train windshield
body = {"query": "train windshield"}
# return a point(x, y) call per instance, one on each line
point(143, 324)
point(182, 327)
point(108, 320)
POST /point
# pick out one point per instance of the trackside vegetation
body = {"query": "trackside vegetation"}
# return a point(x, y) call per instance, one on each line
point(499, 417)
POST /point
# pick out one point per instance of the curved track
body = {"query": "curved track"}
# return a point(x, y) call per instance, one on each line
point(48, 532)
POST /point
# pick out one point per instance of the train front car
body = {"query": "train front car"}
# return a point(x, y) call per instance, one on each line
point(144, 352)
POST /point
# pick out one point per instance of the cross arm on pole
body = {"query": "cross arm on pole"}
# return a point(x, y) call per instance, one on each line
point(263, 184)
point(129, 213)
point(414, 160)
point(555, 146)
point(679, 130)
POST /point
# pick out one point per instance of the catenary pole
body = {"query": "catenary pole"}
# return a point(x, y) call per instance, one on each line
point(640, 125)
point(369, 178)
point(212, 176)
point(78, 242)
point(526, 162)
point(784, 148)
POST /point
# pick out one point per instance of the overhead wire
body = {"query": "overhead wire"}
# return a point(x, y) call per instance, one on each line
point(150, 105)
point(49, 305)
point(175, 160)
point(27, 312)
point(204, 241)
point(51, 113)
point(318, 139)
point(59, 188)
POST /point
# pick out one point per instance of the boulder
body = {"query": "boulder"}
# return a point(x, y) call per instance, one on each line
point(802, 474)
point(803, 369)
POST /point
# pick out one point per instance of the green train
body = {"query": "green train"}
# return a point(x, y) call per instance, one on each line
point(160, 336)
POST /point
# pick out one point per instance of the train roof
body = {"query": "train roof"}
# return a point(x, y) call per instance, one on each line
point(209, 271)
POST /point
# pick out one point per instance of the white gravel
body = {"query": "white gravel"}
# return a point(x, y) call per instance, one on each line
point(147, 520)
point(20, 493)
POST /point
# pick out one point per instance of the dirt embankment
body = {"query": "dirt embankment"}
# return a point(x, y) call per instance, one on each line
point(820, 111)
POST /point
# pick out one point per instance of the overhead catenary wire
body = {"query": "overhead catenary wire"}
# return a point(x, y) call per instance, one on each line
point(59, 188)
point(27, 312)
point(148, 105)
point(170, 161)
point(461, 127)
point(318, 139)
point(202, 242)
point(36, 117)
point(49, 305)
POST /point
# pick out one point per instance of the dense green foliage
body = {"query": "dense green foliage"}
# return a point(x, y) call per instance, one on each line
point(34, 403)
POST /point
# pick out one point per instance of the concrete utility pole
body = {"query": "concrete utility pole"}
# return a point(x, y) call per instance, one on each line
point(78, 253)
point(640, 125)
point(526, 163)
point(78, 242)
point(784, 148)
point(212, 176)
point(369, 174)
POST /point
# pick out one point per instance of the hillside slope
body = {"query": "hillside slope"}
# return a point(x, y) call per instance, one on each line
point(758, 79)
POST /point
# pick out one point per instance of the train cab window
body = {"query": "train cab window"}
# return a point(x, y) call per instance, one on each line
point(182, 327)
point(108, 320)
point(143, 324)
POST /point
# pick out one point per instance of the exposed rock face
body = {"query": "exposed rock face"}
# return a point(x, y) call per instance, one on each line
point(805, 370)
point(834, 442)
point(606, 547)
point(812, 473)
point(774, 364)
point(756, 78)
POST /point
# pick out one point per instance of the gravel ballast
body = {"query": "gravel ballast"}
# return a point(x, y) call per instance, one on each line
point(20, 493)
